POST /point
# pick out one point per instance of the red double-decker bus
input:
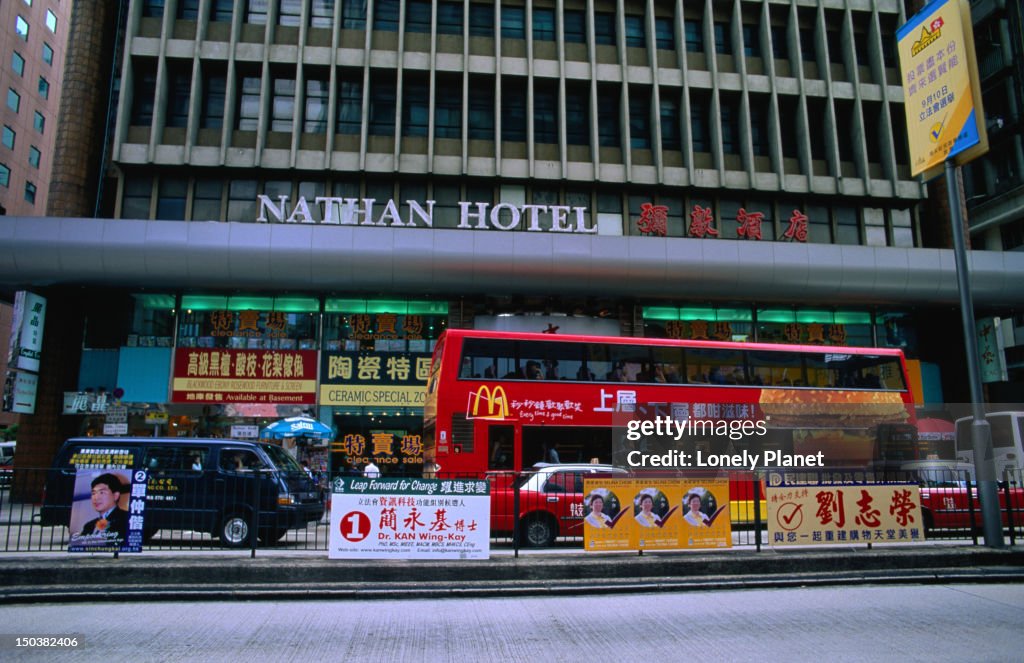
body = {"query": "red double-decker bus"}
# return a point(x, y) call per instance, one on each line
point(501, 401)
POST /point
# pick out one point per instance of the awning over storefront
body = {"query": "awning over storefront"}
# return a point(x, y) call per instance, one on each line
point(40, 251)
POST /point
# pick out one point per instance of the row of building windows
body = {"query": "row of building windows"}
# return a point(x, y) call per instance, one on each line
point(14, 99)
point(611, 212)
point(18, 61)
point(21, 26)
point(682, 121)
point(5, 181)
point(545, 24)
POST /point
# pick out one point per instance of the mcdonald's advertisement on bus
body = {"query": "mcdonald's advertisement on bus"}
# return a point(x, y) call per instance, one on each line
point(656, 514)
point(374, 379)
point(410, 518)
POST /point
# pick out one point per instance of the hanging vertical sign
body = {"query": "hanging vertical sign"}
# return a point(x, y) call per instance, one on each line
point(27, 331)
point(941, 87)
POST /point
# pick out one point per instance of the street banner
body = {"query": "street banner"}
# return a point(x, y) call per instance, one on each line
point(108, 510)
point(224, 375)
point(941, 87)
point(24, 387)
point(26, 343)
point(374, 379)
point(656, 514)
point(801, 515)
point(410, 518)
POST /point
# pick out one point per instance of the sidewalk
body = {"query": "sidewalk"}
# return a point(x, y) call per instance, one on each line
point(282, 575)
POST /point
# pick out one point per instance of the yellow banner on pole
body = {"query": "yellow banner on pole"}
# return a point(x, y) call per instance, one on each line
point(941, 89)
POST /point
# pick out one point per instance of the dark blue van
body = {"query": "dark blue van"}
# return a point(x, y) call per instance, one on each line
point(203, 485)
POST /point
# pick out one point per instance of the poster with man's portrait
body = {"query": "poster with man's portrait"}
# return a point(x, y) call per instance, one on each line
point(107, 511)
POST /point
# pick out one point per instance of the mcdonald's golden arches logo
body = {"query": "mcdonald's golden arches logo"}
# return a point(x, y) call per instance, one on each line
point(495, 400)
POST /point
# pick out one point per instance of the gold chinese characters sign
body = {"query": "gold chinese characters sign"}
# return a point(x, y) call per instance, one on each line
point(210, 375)
point(802, 515)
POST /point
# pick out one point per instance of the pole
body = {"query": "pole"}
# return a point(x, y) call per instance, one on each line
point(981, 433)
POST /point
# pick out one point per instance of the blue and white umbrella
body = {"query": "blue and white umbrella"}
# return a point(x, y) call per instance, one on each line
point(298, 427)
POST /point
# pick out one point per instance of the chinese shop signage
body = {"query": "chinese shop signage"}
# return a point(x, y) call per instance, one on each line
point(205, 375)
point(802, 514)
point(472, 215)
point(386, 448)
point(654, 221)
point(940, 87)
point(654, 514)
point(26, 342)
point(815, 333)
point(367, 379)
point(382, 326)
point(410, 518)
point(248, 324)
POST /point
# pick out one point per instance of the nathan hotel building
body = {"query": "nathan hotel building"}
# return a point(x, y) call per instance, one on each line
point(299, 196)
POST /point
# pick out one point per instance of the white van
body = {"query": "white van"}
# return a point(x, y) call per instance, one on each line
point(1007, 433)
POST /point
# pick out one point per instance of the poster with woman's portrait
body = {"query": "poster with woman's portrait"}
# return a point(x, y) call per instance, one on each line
point(655, 515)
point(705, 520)
point(605, 522)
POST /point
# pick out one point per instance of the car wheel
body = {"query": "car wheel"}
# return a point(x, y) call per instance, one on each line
point(234, 531)
point(539, 532)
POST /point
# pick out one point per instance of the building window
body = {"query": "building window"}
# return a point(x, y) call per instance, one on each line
point(18, 63)
point(723, 40)
point(449, 18)
point(242, 200)
point(513, 23)
point(545, 113)
point(21, 28)
point(448, 109)
point(694, 36)
point(577, 116)
point(170, 201)
point(382, 106)
point(751, 40)
point(179, 90)
point(604, 28)
point(575, 28)
point(321, 14)
point(635, 31)
point(30, 193)
point(283, 105)
point(513, 111)
point(385, 15)
point(807, 45)
point(256, 11)
point(47, 54)
point(34, 156)
point(671, 138)
point(350, 107)
point(222, 10)
point(415, 108)
point(353, 14)
point(153, 8)
point(144, 91)
point(699, 129)
point(481, 110)
point(8, 137)
point(779, 48)
point(608, 132)
point(759, 126)
point(188, 10)
point(214, 93)
point(543, 24)
point(13, 100)
point(730, 126)
point(664, 35)
point(417, 16)
point(317, 92)
point(39, 122)
point(788, 114)
point(206, 200)
point(51, 21)
point(5, 175)
point(289, 13)
point(481, 20)
point(44, 88)
point(640, 120)
point(137, 193)
point(249, 104)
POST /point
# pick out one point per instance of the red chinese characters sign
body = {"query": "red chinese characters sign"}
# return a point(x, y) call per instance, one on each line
point(214, 375)
point(801, 515)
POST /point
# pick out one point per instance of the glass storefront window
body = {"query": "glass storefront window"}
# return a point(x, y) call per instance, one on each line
point(286, 323)
point(152, 320)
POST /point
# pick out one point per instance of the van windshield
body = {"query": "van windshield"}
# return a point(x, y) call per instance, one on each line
point(281, 458)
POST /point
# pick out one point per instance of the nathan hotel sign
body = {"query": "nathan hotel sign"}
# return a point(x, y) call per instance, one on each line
point(504, 216)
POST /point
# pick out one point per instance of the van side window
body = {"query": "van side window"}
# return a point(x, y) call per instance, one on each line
point(239, 460)
point(195, 460)
point(160, 459)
